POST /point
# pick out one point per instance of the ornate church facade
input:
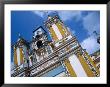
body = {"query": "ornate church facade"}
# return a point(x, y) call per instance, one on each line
point(63, 56)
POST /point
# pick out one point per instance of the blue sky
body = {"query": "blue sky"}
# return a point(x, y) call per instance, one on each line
point(81, 23)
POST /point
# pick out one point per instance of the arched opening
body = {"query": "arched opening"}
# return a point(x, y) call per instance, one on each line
point(37, 36)
point(39, 44)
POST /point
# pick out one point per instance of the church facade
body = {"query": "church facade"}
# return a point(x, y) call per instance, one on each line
point(63, 56)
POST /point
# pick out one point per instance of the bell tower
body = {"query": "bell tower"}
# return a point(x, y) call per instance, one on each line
point(39, 37)
point(41, 47)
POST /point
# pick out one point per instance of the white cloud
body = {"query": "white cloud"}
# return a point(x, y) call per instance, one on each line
point(91, 22)
point(39, 13)
point(42, 13)
point(68, 15)
point(90, 44)
point(64, 15)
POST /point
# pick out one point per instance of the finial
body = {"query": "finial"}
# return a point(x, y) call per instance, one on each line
point(49, 17)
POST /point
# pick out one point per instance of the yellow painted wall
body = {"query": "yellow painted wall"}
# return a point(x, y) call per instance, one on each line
point(90, 59)
point(54, 36)
point(70, 69)
point(15, 58)
point(60, 27)
point(21, 55)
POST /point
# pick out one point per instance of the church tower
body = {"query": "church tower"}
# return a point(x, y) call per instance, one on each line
point(57, 29)
point(21, 57)
point(77, 62)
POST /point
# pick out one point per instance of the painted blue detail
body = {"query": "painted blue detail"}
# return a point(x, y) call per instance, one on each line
point(25, 52)
point(58, 73)
point(54, 72)
point(26, 56)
